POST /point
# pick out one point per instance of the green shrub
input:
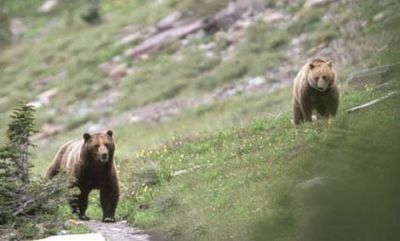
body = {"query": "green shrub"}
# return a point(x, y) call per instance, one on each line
point(27, 204)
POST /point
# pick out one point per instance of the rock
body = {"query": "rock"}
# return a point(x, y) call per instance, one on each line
point(130, 39)
point(274, 16)
point(185, 42)
point(235, 11)
point(378, 17)
point(17, 28)
point(317, 3)
point(169, 21)
point(114, 70)
point(107, 99)
point(106, 68)
point(299, 40)
point(235, 36)
point(253, 5)
point(48, 6)
point(255, 82)
point(118, 72)
point(75, 237)
point(48, 95)
point(129, 29)
point(49, 129)
point(221, 21)
point(225, 92)
point(72, 223)
point(117, 59)
point(312, 183)
point(210, 54)
point(157, 41)
point(160, 111)
point(44, 98)
point(207, 47)
point(144, 57)
point(82, 109)
point(243, 24)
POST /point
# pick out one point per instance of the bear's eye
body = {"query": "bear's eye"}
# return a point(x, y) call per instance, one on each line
point(97, 146)
point(316, 78)
point(324, 77)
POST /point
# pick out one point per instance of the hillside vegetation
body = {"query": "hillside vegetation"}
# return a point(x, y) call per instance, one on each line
point(205, 145)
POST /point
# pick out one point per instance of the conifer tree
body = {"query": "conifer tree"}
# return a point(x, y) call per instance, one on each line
point(26, 201)
point(14, 161)
point(19, 130)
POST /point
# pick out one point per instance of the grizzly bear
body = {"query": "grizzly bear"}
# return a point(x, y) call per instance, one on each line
point(314, 88)
point(90, 162)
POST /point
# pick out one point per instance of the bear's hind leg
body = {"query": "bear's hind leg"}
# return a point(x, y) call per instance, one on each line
point(83, 204)
point(74, 204)
point(79, 205)
point(52, 171)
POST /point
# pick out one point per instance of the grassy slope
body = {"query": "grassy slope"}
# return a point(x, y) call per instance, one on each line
point(247, 176)
point(70, 52)
point(153, 80)
point(245, 172)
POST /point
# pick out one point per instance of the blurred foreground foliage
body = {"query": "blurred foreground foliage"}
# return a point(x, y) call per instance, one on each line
point(27, 205)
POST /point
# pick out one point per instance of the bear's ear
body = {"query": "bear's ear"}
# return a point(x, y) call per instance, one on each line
point(329, 63)
point(110, 133)
point(86, 137)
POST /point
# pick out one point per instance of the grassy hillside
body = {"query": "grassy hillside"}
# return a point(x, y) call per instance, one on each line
point(240, 178)
point(227, 169)
point(65, 58)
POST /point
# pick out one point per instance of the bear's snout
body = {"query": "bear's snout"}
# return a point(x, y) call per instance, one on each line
point(322, 86)
point(104, 157)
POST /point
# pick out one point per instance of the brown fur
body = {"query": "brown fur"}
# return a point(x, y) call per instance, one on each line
point(314, 88)
point(90, 162)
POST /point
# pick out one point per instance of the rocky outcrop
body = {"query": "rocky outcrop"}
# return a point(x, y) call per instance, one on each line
point(157, 41)
point(317, 3)
point(48, 6)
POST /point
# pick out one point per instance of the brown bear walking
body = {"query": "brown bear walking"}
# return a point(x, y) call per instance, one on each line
point(314, 88)
point(90, 161)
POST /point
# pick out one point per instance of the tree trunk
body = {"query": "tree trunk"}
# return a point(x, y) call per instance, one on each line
point(24, 162)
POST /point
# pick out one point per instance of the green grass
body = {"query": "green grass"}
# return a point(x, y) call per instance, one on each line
point(67, 58)
point(248, 174)
point(134, 138)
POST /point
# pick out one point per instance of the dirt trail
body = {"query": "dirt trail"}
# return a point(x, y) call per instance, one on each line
point(119, 231)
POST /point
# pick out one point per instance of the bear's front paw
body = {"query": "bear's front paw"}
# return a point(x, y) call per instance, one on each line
point(84, 217)
point(108, 220)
